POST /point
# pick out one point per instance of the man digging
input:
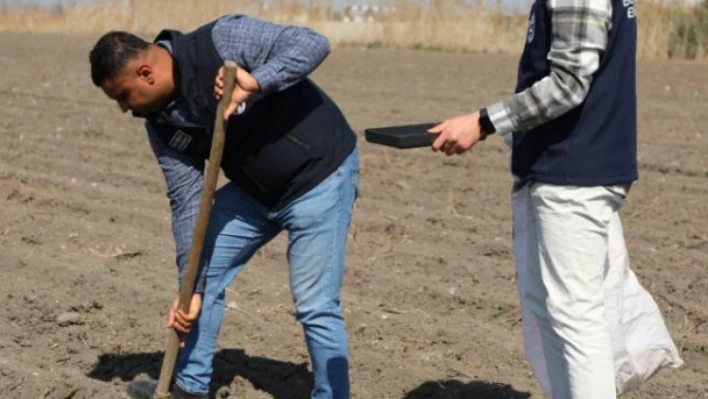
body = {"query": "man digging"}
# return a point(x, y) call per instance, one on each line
point(291, 160)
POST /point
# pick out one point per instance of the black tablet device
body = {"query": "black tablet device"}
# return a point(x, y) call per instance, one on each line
point(403, 136)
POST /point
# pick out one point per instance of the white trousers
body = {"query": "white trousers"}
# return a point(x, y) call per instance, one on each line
point(591, 331)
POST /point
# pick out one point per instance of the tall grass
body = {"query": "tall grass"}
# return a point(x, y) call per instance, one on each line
point(665, 30)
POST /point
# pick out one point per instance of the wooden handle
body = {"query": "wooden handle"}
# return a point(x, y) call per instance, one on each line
point(190, 275)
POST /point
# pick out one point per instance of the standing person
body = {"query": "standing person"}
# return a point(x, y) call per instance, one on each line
point(292, 164)
point(572, 125)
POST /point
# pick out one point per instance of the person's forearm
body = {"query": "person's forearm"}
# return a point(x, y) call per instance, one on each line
point(277, 56)
point(580, 30)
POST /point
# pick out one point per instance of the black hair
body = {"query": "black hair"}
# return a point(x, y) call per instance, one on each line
point(110, 54)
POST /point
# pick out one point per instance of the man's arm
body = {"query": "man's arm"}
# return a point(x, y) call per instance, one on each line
point(277, 56)
point(580, 29)
point(185, 181)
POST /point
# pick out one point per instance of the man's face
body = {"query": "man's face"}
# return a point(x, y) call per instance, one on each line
point(135, 89)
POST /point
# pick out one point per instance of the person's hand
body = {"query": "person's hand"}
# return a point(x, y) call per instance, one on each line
point(457, 135)
point(182, 321)
point(244, 87)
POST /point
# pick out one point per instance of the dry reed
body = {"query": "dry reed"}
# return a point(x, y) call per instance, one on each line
point(665, 30)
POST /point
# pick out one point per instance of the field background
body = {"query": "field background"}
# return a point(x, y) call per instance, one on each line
point(429, 296)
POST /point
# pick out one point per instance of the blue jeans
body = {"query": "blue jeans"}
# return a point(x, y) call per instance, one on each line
point(317, 225)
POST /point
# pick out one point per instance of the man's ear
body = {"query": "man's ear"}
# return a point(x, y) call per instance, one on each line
point(146, 73)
